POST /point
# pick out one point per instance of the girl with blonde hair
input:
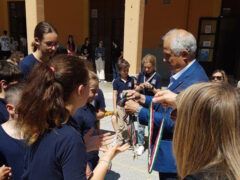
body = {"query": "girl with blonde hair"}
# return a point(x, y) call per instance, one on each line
point(219, 76)
point(207, 137)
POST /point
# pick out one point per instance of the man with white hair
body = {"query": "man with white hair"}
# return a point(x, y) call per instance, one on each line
point(179, 49)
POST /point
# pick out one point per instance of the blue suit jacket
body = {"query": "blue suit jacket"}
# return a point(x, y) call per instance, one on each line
point(165, 162)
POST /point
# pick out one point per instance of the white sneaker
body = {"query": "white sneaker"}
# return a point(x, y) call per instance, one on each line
point(140, 150)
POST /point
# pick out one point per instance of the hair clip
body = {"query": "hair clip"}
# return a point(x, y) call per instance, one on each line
point(52, 68)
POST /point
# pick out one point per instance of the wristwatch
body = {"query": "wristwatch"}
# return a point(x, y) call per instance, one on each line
point(139, 108)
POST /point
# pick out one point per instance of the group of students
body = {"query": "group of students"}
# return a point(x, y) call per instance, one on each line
point(49, 123)
point(50, 129)
point(8, 45)
point(147, 83)
point(86, 54)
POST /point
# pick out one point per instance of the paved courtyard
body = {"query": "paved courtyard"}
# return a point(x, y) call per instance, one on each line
point(123, 166)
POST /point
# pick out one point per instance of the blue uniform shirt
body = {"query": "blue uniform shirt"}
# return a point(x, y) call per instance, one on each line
point(27, 64)
point(119, 85)
point(155, 80)
point(58, 154)
point(12, 154)
point(3, 111)
point(85, 118)
point(99, 101)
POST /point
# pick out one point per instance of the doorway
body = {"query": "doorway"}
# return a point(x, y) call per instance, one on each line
point(106, 24)
point(228, 48)
point(17, 19)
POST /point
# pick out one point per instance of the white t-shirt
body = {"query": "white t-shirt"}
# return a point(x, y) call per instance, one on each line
point(5, 43)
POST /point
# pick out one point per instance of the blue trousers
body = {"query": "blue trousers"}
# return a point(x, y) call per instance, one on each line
point(115, 70)
point(141, 133)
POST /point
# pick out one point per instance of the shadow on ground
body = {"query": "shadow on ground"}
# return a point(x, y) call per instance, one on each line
point(111, 175)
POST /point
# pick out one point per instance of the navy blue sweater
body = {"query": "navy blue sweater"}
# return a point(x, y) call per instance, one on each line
point(59, 154)
point(12, 154)
point(3, 111)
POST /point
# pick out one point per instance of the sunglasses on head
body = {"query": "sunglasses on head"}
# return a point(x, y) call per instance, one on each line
point(217, 77)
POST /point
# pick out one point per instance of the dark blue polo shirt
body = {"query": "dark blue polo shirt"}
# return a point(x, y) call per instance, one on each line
point(58, 154)
point(12, 154)
point(85, 119)
point(99, 101)
point(119, 85)
point(155, 81)
point(3, 111)
point(27, 64)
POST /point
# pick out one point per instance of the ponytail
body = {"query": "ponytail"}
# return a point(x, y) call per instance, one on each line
point(48, 87)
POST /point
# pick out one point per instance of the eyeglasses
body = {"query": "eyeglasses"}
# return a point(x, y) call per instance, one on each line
point(51, 44)
point(217, 77)
point(173, 115)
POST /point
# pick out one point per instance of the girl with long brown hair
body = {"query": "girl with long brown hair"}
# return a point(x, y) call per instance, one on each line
point(207, 132)
point(44, 47)
point(53, 92)
point(71, 48)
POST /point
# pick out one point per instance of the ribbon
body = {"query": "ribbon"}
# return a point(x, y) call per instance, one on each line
point(130, 124)
point(150, 78)
point(131, 130)
point(152, 153)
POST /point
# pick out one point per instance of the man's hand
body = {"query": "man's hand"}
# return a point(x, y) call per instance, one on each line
point(98, 142)
point(131, 106)
point(132, 94)
point(166, 98)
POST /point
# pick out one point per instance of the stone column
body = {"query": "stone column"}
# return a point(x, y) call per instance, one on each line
point(133, 34)
point(34, 15)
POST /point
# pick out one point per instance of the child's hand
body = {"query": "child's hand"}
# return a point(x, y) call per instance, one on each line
point(113, 151)
point(5, 173)
point(88, 171)
point(141, 86)
point(147, 85)
point(98, 142)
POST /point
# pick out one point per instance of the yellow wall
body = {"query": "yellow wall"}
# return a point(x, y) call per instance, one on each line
point(4, 21)
point(159, 17)
point(68, 17)
point(203, 8)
